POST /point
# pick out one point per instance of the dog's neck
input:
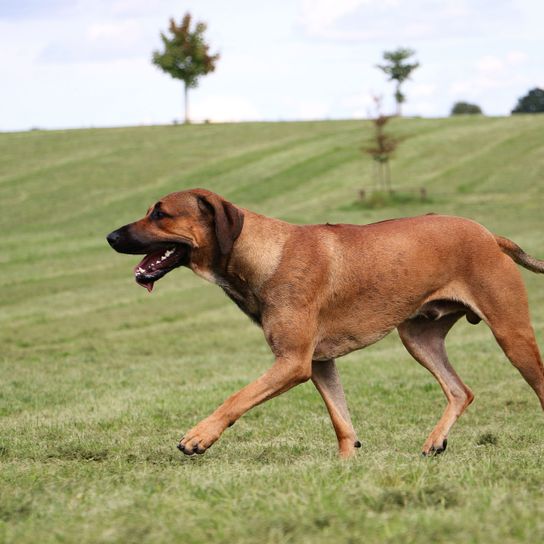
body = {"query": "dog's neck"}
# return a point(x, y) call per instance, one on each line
point(253, 260)
point(257, 251)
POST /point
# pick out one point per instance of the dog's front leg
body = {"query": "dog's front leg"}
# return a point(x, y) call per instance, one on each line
point(286, 372)
point(327, 381)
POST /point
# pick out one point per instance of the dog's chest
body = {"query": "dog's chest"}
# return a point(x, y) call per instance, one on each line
point(242, 296)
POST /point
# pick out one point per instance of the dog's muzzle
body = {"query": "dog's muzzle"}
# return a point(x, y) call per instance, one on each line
point(160, 256)
point(124, 241)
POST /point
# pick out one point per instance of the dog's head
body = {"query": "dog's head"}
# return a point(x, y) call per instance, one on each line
point(175, 227)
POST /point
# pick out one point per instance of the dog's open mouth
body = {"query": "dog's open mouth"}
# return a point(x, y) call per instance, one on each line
point(158, 263)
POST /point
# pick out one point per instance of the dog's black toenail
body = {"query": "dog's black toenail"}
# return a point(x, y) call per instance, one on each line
point(181, 448)
point(443, 447)
point(199, 450)
point(357, 444)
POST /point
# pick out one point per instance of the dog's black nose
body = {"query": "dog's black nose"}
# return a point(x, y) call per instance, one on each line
point(113, 238)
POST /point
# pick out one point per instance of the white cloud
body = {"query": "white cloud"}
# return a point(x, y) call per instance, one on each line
point(423, 108)
point(493, 73)
point(422, 99)
point(124, 33)
point(475, 87)
point(311, 109)
point(455, 8)
point(135, 7)
point(223, 109)
point(490, 65)
point(422, 89)
point(99, 42)
point(403, 20)
point(516, 57)
point(317, 16)
point(361, 105)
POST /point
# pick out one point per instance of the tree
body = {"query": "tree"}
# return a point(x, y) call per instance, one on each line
point(465, 108)
point(398, 70)
point(382, 147)
point(532, 102)
point(186, 55)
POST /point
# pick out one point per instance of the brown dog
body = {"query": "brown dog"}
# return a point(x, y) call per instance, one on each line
point(322, 291)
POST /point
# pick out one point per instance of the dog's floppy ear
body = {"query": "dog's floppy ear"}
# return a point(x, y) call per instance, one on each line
point(228, 220)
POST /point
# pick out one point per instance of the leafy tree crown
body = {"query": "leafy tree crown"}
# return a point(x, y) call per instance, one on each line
point(397, 69)
point(186, 54)
point(463, 108)
point(532, 102)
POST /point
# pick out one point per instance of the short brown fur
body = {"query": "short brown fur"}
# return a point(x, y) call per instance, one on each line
point(322, 291)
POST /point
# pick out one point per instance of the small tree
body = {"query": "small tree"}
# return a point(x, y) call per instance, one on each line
point(382, 147)
point(398, 70)
point(186, 55)
point(465, 108)
point(532, 102)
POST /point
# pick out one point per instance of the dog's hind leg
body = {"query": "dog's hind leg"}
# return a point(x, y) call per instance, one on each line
point(519, 345)
point(327, 381)
point(424, 339)
point(505, 308)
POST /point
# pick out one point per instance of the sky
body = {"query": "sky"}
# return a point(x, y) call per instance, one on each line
point(87, 63)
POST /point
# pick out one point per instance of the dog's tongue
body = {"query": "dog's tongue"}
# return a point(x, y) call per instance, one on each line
point(148, 286)
point(155, 265)
point(147, 265)
point(143, 282)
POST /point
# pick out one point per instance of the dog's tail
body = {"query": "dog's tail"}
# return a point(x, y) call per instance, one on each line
point(519, 256)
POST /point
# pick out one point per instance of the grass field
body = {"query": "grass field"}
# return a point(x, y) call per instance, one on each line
point(98, 379)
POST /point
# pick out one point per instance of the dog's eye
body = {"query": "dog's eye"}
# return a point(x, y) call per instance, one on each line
point(157, 214)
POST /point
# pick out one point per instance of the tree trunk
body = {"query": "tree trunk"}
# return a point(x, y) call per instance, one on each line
point(397, 95)
point(186, 93)
point(388, 176)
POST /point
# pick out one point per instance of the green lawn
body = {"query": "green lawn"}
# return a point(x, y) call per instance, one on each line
point(99, 379)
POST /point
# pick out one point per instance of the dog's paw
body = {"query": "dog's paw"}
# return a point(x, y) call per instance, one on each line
point(434, 447)
point(346, 447)
point(200, 438)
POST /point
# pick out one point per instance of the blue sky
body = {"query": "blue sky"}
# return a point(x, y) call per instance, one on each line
point(83, 63)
